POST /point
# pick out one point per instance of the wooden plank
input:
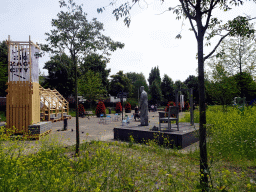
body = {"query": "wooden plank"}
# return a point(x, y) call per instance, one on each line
point(26, 95)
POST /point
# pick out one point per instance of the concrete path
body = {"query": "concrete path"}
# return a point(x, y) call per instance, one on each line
point(91, 129)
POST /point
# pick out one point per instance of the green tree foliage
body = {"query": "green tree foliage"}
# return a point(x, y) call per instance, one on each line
point(60, 75)
point(119, 83)
point(97, 64)
point(74, 33)
point(155, 92)
point(137, 80)
point(167, 87)
point(154, 75)
point(90, 86)
point(180, 85)
point(237, 54)
point(204, 26)
point(192, 82)
point(154, 80)
point(3, 68)
point(223, 88)
point(246, 85)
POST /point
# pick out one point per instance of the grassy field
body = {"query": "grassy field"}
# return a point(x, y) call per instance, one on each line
point(127, 166)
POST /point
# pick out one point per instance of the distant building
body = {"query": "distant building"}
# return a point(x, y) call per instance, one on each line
point(114, 99)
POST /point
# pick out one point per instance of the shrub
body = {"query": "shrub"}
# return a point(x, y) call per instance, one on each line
point(100, 109)
point(128, 106)
point(118, 106)
point(81, 110)
point(170, 103)
point(186, 106)
point(133, 102)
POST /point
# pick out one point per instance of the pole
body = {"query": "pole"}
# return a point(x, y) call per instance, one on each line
point(122, 105)
point(77, 113)
point(191, 107)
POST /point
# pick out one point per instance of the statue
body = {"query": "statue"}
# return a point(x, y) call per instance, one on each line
point(143, 107)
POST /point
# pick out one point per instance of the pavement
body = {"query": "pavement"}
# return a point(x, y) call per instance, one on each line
point(92, 129)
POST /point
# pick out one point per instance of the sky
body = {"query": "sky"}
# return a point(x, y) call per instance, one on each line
point(149, 41)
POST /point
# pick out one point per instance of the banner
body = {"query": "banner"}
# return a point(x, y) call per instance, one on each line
point(182, 101)
point(20, 63)
point(35, 64)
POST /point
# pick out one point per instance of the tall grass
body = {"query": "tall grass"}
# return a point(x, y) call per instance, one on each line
point(108, 166)
point(121, 166)
point(232, 133)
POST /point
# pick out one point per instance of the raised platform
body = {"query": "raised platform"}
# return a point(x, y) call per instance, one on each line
point(186, 135)
point(39, 129)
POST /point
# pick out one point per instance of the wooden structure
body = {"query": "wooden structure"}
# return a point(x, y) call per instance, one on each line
point(53, 106)
point(22, 101)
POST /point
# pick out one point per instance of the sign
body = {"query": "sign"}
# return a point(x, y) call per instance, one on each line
point(20, 68)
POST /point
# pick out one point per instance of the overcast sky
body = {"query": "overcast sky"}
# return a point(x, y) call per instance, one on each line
point(149, 41)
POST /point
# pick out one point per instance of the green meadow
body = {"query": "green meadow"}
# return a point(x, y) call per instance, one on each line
point(127, 166)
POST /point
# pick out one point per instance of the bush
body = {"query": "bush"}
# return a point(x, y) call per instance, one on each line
point(81, 110)
point(128, 106)
point(170, 103)
point(133, 102)
point(118, 107)
point(100, 109)
point(186, 106)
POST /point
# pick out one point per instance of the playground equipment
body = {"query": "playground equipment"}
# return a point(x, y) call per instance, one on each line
point(53, 106)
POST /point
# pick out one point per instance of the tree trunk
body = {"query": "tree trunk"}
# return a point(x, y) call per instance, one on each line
point(77, 112)
point(202, 122)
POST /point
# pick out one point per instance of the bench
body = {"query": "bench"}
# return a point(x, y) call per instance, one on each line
point(88, 113)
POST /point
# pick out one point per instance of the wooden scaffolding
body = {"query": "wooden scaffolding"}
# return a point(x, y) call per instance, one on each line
point(53, 106)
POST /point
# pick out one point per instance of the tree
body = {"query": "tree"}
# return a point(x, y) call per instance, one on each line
point(167, 87)
point(73, 32)
point(246, 85)
point(60, 75)
point(180, 85)
point(97, 64)
point(154, 81)
point(200, 16)
point(155, 92)
point(120, 83)
point(3, 68)
point(192, 82)
point(223, 88)
point(90, 86)
point(154, 75)
point(137, 80)
point(237, 55)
